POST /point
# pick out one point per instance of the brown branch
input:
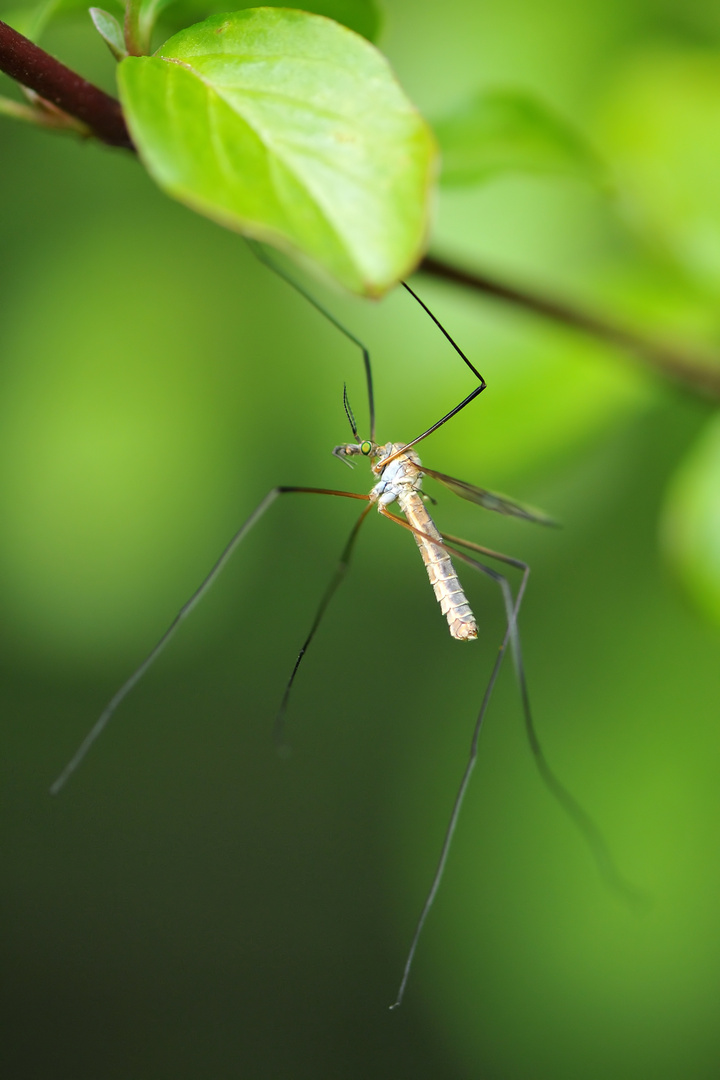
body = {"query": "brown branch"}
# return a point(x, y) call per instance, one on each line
point(36, 69)
point(689, 368)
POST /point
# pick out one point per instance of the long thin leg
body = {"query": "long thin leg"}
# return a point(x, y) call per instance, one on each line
point(469, 767)
point(264, 258)
point(448, 416)
point(588, 828)
point(184, 611)
point(466, 401)
point(442, 330)
point(259, 252)
point(578, 815)
point(335, 582)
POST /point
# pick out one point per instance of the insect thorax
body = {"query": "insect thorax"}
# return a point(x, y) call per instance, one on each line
point(400, 477)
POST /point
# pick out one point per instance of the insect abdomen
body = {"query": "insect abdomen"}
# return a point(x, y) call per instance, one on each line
point(440, 570)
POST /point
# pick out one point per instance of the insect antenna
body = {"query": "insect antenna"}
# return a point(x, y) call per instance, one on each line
point(261, 255)
point(349, 413)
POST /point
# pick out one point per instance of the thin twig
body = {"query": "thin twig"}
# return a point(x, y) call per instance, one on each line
point(42, 114)
point(36, 69)
point(688, 368)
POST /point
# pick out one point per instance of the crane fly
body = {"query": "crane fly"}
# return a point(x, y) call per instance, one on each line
point(397, 472)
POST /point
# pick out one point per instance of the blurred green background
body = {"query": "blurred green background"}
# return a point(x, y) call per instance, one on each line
point(192, 904)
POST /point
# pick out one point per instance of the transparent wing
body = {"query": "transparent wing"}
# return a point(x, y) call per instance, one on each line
point(491, 500)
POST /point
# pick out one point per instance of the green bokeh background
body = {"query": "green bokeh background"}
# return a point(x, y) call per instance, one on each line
point(194, 905)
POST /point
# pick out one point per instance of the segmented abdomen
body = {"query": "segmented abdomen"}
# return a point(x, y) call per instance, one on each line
point(440, 570)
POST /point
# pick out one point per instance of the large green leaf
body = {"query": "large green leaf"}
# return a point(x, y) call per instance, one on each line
point(362, 16)
point(510, 131)
point(691, 523)
point(290, 129)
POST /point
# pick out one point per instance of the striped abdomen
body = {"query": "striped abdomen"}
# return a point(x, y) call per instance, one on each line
point(448, 590)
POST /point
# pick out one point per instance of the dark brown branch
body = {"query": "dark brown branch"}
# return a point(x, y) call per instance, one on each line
point(689, 369)
point(36, 69)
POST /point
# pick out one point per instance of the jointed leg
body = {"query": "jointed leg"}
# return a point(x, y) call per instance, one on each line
point(337, 578)
point(261, 255)
point(466, 401)
point(578, 815)
point(472, 757)
point(184, 611)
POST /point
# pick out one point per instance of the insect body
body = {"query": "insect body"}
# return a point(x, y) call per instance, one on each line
point(399, 473)
point(401, 481)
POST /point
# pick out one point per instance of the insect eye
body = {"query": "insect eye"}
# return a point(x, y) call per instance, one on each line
point(365, 448)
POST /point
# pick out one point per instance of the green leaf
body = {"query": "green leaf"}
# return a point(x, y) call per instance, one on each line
point(691, 522)
point(292, 130)
point(362, 16)
point(510, 131)
point(110, 31)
